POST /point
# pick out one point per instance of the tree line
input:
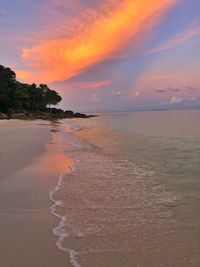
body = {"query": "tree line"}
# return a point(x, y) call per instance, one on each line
point(16, 96)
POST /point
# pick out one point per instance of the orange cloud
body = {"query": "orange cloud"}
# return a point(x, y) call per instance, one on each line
point(107, 33)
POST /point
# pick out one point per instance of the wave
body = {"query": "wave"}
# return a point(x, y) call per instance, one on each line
point(122, 196)
point(59, 230)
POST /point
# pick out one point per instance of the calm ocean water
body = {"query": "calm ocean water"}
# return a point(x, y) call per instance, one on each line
point(132, 197)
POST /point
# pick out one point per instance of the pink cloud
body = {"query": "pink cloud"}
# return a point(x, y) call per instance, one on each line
point(175, 100)
point(87, 85)
point(176, 40)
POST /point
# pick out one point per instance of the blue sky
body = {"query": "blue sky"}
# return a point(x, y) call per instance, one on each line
point(148, 61)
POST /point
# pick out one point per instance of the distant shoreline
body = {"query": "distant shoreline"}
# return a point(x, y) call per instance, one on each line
point(44, 116)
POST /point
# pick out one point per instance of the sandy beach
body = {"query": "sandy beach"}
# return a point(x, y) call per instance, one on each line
point(126, 197)
point(30, 164)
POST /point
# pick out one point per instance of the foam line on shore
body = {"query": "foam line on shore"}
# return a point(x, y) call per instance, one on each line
point(59, 231)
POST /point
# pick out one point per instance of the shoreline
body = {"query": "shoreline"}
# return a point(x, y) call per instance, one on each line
point(31, 162)
point(48, 116)
point(58, 230)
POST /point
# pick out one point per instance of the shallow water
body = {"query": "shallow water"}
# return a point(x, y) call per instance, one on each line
point(132, 197)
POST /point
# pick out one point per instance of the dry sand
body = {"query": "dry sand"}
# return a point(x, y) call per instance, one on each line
point(30, 164)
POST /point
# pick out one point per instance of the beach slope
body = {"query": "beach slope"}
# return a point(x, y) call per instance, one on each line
point(30, 164)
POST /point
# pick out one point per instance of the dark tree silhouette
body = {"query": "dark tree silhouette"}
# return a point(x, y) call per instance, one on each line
point(16, 96)
point(51, 97)
point(8, 86)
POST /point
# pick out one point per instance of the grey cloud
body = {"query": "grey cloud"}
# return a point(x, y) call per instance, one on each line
point(191, 88)
point(4, 12)
point(168, 90)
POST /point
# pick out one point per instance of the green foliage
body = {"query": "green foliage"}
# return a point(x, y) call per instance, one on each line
point(16, 96)
point(8, 85)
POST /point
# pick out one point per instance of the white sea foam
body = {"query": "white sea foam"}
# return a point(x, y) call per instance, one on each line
point(116, 200)
point(59, 231)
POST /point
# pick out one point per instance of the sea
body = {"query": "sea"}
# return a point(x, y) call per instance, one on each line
point(132, 196)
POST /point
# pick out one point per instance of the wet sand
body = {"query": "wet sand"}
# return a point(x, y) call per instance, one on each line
point(30, 164)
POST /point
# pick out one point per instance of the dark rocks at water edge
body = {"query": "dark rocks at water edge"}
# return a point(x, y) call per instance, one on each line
point(48, 114)
point(3, 116)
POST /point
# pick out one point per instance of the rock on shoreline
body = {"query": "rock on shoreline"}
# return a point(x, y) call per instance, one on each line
point(3, 116)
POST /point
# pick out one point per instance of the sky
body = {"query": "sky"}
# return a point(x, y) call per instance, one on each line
point(106, 55)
